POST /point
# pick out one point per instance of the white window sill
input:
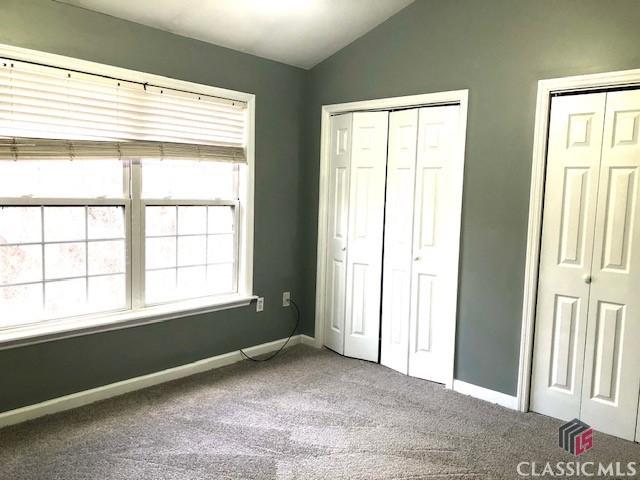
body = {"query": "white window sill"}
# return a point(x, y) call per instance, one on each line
point(76, 326)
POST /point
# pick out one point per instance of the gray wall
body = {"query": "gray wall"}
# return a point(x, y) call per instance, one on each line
point(498, 49)
point(39, 372)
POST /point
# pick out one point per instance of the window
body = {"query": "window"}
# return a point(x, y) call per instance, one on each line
point(118, 198)
point(62, 248)
point(190, 242)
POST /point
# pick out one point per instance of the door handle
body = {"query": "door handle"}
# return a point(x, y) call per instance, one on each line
point(417, 259)
point(344, 249)
point(587, 279)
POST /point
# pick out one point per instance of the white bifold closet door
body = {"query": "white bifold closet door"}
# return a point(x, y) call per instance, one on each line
point(611, 380)
point(398, 239)
point(337, 226)
point(355, 223)
point(422, 235)
point(586, 356)
point(571, 189)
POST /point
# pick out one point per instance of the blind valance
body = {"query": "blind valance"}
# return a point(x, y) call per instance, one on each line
point(47, 112)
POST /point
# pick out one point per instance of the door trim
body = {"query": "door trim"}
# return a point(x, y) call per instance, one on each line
point(460, 97)
point(546, 88)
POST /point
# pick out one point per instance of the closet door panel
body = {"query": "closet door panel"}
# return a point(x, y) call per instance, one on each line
point(338, 224)
point(612, 358)
point(436, 237)
point(365, 232)
point(573, 163)
point(398, 234)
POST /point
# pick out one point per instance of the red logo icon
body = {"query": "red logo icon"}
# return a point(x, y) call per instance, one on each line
point(575, 437)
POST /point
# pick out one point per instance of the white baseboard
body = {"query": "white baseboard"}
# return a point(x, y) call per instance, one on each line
point(482, 393)
point(307, 340)
point(86, 397)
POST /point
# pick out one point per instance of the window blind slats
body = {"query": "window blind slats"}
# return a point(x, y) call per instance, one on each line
point(51, 149)
point(100, 87)
point(204, 111)
point(79, 126)
point(47, 112)
point(67, 102)
point(90, 113)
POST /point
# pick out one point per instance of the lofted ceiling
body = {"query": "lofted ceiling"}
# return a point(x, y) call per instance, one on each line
point(297, 32)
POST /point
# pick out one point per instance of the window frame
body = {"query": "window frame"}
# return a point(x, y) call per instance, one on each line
point(136, 312)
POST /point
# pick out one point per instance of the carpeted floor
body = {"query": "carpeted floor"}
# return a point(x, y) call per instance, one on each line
point(308, 414)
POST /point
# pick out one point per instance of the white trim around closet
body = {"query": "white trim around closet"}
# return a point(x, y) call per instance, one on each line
point(545, 89)
point(460, 97)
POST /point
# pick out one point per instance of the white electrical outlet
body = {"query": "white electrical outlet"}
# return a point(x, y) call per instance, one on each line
point(286, 299)
point(260, 304)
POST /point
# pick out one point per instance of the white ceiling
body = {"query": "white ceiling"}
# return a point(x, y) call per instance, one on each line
point(297, 32)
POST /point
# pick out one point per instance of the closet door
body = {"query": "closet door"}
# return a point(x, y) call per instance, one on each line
point(337, 225)
point(612, 358)
point(573, 162)
point(398, 234)
point(366, 223)
point(436, 239)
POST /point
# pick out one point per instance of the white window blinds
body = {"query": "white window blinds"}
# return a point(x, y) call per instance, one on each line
point(47, 112)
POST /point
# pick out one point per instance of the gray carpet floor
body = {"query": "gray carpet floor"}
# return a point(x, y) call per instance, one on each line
point(308, 414)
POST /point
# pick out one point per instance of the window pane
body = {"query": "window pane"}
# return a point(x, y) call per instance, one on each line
point(160, 252)
point(220, 278)
point(220, 220)
point(20, 224)
point(65, 298)
point(195, 249)
point(192, 250)
point(63, 260)
point(160, 286)
point(106, 257)
point(20, 264)
point(20, 304)
point(62, 179)
point(220, 248)
point(107, 293)
point(192, 220)
point(189, 179)
point(192, 282)
point(105, 222)
point(160, 221)
point(64, 223)
point(66, 263)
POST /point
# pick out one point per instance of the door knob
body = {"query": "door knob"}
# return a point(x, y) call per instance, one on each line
point(587, 279)
point(344, 249)
point(417, 259)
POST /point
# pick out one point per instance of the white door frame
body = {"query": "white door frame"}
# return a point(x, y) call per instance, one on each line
point(460, 97)
point(543, 104)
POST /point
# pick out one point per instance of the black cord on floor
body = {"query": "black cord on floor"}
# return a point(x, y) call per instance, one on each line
point(273, 355)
